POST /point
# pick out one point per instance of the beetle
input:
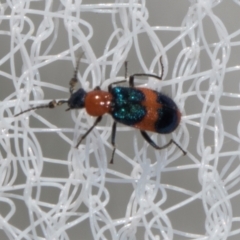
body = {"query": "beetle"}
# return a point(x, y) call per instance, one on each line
point(138, 107)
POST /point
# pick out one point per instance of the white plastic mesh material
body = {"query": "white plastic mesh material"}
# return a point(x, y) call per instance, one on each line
point(50, 189)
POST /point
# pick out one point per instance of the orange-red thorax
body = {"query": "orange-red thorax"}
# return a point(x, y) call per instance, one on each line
point(98, 102)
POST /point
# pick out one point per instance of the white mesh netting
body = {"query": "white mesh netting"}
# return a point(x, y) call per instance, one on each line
point(51, 190)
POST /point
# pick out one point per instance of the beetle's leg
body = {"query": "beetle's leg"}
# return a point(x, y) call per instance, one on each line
point(110, 85)
point(89, 130)
point(126, 69)
point(153, 144)
point(131, 78)
point(113, 140)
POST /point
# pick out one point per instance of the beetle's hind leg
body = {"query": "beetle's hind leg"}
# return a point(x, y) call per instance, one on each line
point(153, 144)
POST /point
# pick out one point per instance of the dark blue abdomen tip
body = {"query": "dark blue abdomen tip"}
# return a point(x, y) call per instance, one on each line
point(169, 115)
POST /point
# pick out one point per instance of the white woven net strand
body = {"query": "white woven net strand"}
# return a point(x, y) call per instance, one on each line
point(51, 190)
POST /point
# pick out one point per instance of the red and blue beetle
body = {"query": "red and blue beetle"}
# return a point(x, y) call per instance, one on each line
point(138, 107)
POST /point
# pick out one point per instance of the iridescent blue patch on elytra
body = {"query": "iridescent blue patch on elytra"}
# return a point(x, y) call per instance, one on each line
point(167, 115)
point(123, 95)
point(127, 108)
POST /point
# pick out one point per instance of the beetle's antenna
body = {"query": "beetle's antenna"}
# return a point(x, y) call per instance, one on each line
point(51, 104)
point(161, 67)
point(74, 79)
